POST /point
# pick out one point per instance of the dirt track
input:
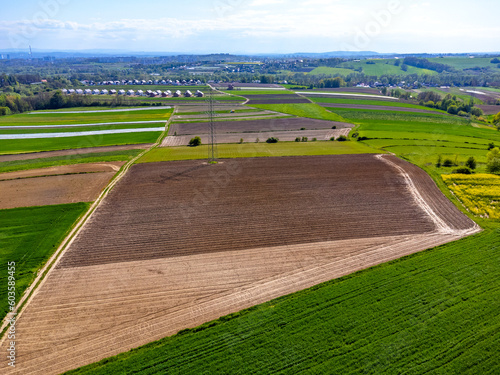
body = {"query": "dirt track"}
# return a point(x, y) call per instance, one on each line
point(255, 126)
point(89, 308)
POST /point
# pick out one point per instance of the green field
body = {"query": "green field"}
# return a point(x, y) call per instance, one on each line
point(381, 67)
point(432, 312)
point(29, 236)
point(17, 146)
point(461, 63)
point(309, 110)
point(382, 103)
point(84, 118)
point(261, 149)
point(82, 128)
point(22, 165)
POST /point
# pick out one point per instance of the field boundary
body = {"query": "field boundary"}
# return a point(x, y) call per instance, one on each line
point(45, 271)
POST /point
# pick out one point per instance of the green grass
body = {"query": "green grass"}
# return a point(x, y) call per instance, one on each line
point(381, 103)
point(261, 149)
point(84, 118)
point(16, 146)
point(22, 165)
point(29, 236)
point(454, 91)
point(466, 62)
point(81, 128)
point(309, 110)
point(381, 67)
point(431, 312)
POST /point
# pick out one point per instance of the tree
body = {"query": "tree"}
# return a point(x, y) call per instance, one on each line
point(196, 141)
point(452, 109)
point(496, 118)
point(471, 163)
point(272, 140)
point(342, 138)
point(404, 68)
point(493, 165)
point(57, 100)
point(476, 111)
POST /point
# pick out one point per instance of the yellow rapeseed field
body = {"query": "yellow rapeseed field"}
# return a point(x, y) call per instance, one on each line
point(480, 193)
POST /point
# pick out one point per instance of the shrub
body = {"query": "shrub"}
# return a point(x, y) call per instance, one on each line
point(314, 139)
point(196, 141)
point(476, 111)
point(439, 161)
point(363, 138)
point(493, 165)
point(491, 146)
point(304, 139)
point(463, 114)
point(272, 140)
point(452, 109)
point(471, 163)
point(297, 139)
point(447, 163)
point(302, 128)
point(257, 140)
point(5, 111)
point(334, 127)
point(463, 170)
point(342, 138)
point(495, 60)
point(355, 135)
point(332, 138)
point(241, 140)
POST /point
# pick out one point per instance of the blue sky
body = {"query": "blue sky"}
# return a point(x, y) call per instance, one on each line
point(253, 26)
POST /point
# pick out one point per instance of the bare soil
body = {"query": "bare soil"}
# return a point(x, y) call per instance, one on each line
point(255, 126)
point(42, 191)
point(490, 109)
point(376, 108)
point(285, 136)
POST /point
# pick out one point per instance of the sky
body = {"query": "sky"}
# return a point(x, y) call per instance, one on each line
point(253, 26)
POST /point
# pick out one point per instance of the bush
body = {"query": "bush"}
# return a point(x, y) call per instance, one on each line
point(5, 111)
point(304, 139)
point(334, 127)
point(463, 170)
point(447, 163)
point(476, 111)
point(363, 138)
point(297, 139)
point(272, 140)
point(332, 138)
point(439, 161)
point(495, 60)
point(257, 140)
point(491, 146)
point(452, 109)
point(196, 141)
point(355, 135)
point(342, 138)
point(463, 114)
point(241, 140)
point(493, 165)
point(471, 163)
point(302, 128)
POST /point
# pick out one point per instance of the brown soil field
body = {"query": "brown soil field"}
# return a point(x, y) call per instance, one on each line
point(253, 85)
point(236, 115)
point(78, 151)
point(112, 166)
point(285, 136)
point(276, 99)
point(255, 126)
point(244, 203)
point(490, 109)
point(313, 210)
point(58, 189)
point(377, 108)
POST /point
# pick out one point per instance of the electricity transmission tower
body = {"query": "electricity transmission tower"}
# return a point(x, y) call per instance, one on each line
point(212, 142)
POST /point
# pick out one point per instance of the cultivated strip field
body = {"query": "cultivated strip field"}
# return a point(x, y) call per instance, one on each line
point(263, 228)
point(375, 107)
point(83, 184)
point(284, 136)
point(276, 99)
point(256, 126)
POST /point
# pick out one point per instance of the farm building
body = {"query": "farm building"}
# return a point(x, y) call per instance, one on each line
point(140, 92)
point(177, 94)
point(188, 94)
point(71, 91)
point(199, 94)
point(88, 92)
point(121, 92)
point(79, 91)
point(164, 94)
point(158, 92)
point(104, 92)
point(64, 91)
point(130, 92)
point(112, 92)
point(96, 92)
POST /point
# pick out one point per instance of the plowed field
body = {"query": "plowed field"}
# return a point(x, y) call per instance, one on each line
point(181, 243)
point(255, 126)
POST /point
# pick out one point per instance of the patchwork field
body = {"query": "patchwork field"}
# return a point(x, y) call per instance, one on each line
point(263, 228)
